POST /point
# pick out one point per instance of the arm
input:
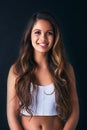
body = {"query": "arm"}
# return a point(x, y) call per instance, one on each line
point(12, 102)
point(74, 117)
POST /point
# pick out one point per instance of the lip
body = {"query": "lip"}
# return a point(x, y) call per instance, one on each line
point(42, 44)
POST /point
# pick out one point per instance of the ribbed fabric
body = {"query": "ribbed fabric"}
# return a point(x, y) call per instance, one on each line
point(43, 101)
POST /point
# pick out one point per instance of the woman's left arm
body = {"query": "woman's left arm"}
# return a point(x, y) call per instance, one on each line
point(72, 121)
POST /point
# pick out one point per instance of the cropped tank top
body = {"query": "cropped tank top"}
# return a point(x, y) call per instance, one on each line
point(43, 101)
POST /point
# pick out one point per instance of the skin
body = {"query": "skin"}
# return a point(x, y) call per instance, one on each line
point(42, 38)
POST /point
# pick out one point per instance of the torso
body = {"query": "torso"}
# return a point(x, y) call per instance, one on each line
point(42, 123)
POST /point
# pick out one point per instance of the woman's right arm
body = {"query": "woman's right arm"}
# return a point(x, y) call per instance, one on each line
point(12, 102)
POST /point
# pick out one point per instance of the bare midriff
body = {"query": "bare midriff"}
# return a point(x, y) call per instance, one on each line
point(42, 123)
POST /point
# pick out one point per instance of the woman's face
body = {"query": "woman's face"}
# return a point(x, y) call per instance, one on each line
point(42, 36)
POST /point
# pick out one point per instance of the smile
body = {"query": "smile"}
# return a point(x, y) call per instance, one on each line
point(43, 44)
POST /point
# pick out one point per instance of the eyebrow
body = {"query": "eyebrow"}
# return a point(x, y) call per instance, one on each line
point(40, 30)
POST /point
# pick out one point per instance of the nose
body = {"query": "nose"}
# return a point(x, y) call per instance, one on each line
point(43, 37)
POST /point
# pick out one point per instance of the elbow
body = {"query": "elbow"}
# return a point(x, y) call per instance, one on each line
point(11, 117)
point(76, 114)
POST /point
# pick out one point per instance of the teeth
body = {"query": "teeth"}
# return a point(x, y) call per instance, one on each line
point(41, 44)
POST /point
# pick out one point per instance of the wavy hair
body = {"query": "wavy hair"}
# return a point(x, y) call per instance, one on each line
point(57, 64)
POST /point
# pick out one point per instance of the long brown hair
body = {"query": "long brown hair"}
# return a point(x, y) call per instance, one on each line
point(57, 64)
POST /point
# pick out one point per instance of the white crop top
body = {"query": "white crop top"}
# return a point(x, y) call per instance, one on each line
point(44, 103)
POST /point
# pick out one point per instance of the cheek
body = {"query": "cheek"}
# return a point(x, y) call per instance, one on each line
point(52, 41)
point(33, 39)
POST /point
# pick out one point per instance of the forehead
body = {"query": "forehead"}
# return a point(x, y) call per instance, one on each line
point(42, 24)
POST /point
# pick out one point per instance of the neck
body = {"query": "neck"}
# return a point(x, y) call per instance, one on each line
point(41, 59)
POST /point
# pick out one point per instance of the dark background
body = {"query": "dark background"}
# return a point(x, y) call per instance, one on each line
point(14, 16)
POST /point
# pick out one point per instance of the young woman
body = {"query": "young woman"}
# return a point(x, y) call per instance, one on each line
point(41, 87)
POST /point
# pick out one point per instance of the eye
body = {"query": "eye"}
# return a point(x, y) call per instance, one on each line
point(50, 32)
point(37, 32)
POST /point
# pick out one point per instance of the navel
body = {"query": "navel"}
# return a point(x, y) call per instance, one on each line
point(40, 126)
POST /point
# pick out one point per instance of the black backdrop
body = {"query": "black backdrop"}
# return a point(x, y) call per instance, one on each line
point(71, 14)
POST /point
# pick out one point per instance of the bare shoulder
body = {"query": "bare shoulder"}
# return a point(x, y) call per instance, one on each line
point(11, 75)
point(12, 71)
point(12, 98)
point(70, 68)
point(71, 72)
